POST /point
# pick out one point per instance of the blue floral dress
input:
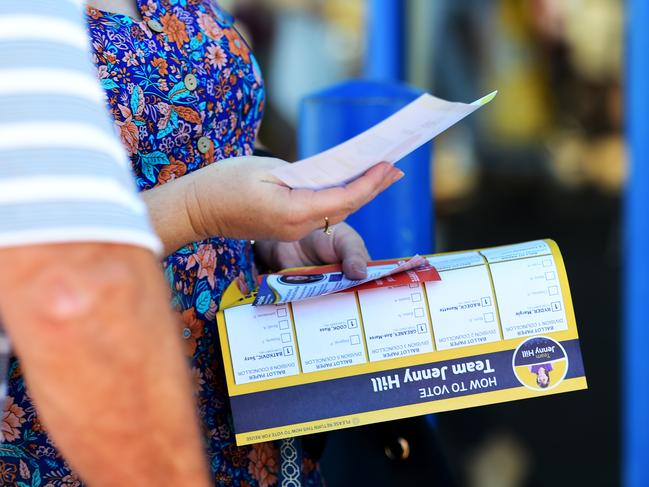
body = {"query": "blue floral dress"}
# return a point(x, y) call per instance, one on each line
point(185, 92)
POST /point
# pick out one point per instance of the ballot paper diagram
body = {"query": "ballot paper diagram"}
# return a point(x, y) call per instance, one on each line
point(494, 325)
point(388, 141)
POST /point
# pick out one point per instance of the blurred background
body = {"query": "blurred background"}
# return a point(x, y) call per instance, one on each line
point(546, 159)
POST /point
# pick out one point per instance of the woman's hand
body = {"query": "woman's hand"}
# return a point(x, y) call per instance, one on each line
point(344, 245)
point(239, 198)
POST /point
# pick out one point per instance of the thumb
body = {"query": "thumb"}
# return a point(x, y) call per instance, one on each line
point(355, 267)
point(352, 252)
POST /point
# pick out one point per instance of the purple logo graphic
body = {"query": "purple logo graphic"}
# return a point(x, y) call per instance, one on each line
point(540, 363)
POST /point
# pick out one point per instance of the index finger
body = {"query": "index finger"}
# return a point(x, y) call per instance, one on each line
point(340, 202)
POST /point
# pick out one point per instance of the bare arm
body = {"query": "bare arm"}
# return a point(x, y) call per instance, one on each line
point(239, 198)
point(103, 362)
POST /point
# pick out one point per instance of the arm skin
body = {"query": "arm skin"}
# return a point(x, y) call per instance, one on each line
point(239, 198)
point(102, 359)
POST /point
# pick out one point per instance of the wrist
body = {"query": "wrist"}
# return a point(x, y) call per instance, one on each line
point(198, 224)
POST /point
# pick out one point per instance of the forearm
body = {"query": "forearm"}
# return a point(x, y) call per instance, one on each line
point(205, 203)
point(241, 198)
point(103, 363)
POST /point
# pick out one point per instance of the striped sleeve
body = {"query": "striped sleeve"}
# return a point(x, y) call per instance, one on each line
point(64, 176)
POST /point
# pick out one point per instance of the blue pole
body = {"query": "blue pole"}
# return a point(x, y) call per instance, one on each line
point(384, 53)
point(399, 222)
point(384, 61)
point(636, 340)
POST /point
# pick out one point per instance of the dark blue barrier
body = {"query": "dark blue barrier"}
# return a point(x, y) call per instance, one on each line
point(399, 222)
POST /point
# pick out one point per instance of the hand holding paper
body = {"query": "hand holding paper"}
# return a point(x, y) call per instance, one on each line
point(240, 198)
point(390, 140)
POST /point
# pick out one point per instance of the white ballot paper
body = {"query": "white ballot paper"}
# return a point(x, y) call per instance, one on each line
point(388, 141)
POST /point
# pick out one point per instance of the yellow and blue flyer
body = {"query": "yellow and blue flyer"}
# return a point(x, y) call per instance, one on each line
point(467, 329)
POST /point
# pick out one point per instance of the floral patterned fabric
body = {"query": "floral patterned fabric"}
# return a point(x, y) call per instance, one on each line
point(185, 92)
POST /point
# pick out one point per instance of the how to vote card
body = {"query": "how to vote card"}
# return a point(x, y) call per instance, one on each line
point(466, 329)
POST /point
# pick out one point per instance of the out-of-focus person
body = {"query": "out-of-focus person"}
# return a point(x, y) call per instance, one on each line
point(75, 248)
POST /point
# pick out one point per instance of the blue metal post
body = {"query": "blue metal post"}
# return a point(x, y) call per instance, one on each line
point(384, 53)
point(399, 222)
point(636, 339)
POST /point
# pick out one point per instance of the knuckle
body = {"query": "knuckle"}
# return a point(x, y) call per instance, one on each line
point(349, 205)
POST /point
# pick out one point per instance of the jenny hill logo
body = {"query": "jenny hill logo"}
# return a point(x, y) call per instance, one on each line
point(540, 363)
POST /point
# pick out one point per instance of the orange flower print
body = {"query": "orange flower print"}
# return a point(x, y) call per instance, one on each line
point(130, 136)
point(110, 57)
point(237, 46)
point(205, 259)
point(131, 59)
point(209, 26)
point(210, 314)
point(216, 56)
point(195, 327)
point(150, 7)
point(236, 455)
point(161, 65)
point(175, 29)
point(197, 380)
point(171, 171)
point(242, 283)
point(7, 473)
point(165, 114)
point(37, 426)
point(263, 464)
point(71, 481)
point(222, 89)
point(94, 13)
point(128, 131)
point(67, 481)
point(12, 419)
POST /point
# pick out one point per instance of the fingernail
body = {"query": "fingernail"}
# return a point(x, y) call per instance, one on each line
point(397, 176)
point(359, 270)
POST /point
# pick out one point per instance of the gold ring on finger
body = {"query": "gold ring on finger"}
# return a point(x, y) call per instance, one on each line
point(328, 229)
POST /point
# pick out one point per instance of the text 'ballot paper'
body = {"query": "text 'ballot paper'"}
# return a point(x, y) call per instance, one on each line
point(388, 141)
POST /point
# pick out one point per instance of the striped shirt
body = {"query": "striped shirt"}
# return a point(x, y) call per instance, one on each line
point(64, 176)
